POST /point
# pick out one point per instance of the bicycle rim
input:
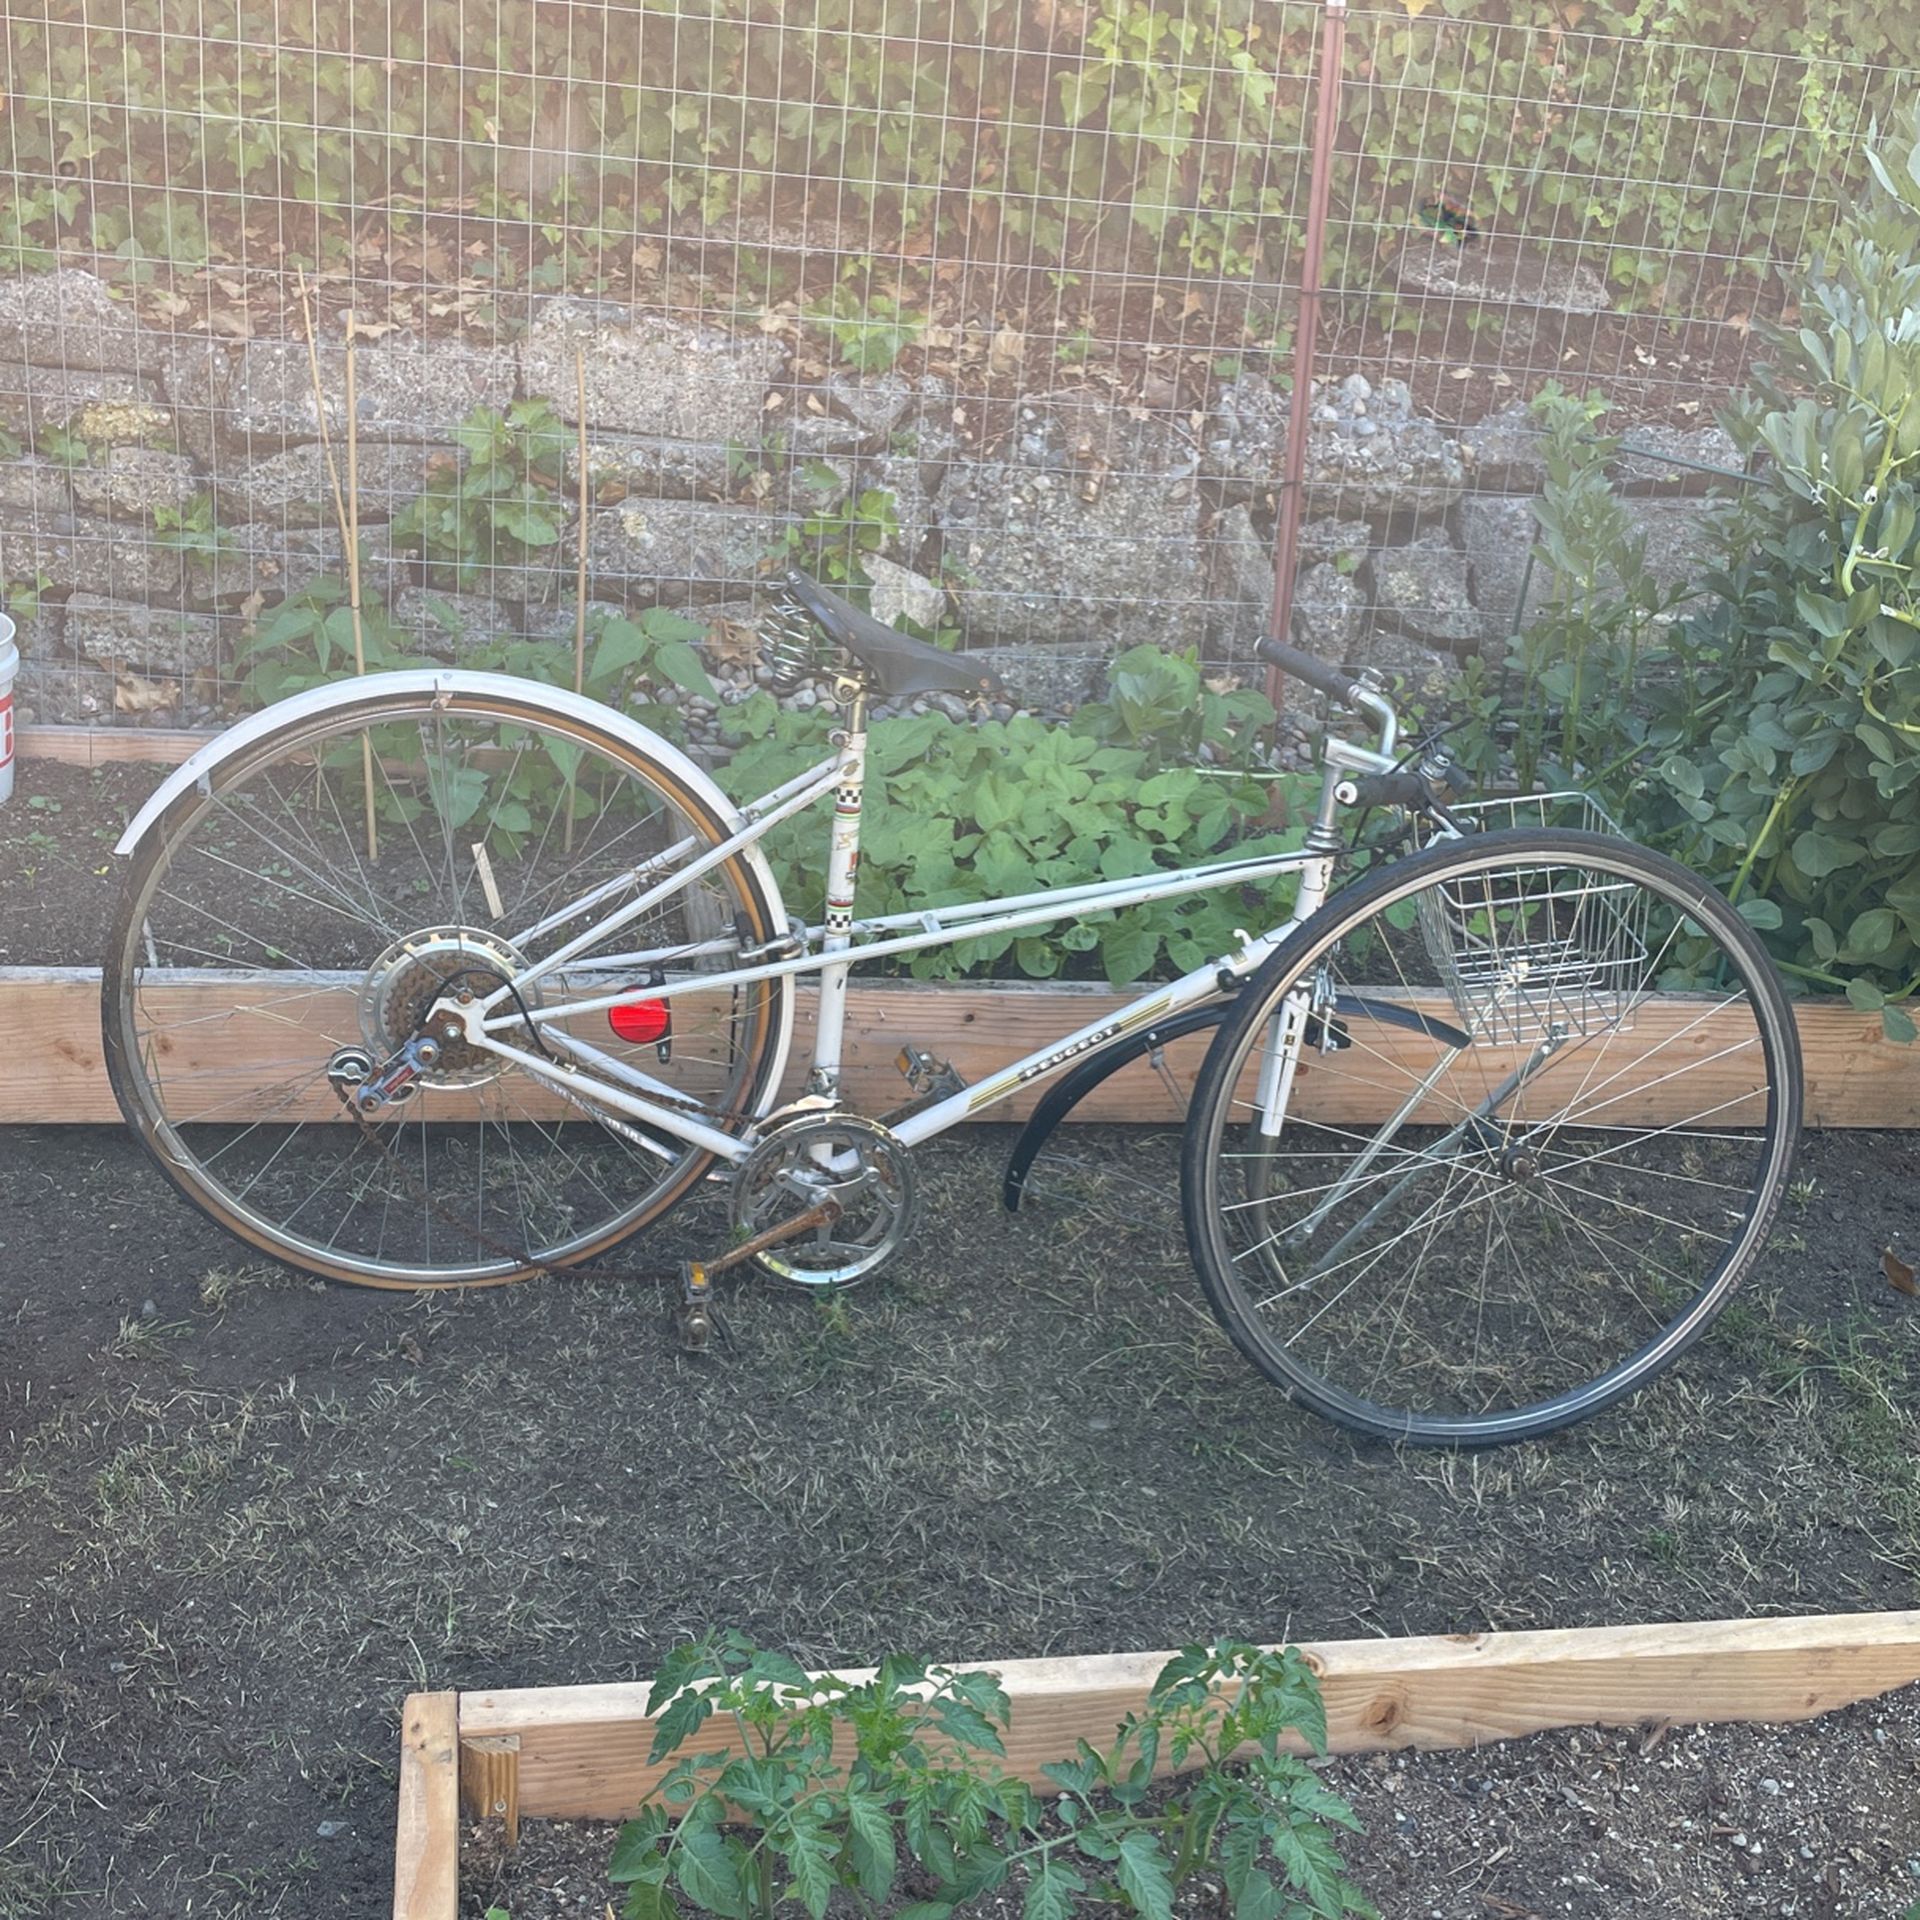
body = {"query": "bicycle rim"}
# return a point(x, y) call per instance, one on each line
point(262, 939)
point(1545, 1108)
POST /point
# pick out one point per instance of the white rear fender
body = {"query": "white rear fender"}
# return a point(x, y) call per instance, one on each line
point(200, 772)
point(375, 688)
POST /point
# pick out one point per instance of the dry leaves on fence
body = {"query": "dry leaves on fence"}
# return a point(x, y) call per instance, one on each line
point(132, 694)
point(1007, 352)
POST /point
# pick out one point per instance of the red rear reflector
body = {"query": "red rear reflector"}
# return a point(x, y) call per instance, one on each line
point(642, 1022)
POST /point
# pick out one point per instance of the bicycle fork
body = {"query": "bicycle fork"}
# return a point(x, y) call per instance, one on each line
point(1287, 1029)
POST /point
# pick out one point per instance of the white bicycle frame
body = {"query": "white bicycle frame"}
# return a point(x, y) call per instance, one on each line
point(833, 947)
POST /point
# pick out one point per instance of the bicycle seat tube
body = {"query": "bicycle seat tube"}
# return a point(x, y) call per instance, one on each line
point(843, 867)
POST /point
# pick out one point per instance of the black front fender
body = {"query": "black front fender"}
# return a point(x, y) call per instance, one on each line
point(1073, 1087)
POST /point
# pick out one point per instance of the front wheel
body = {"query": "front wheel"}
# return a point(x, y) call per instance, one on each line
point(1489, 1141)
point(275, 947)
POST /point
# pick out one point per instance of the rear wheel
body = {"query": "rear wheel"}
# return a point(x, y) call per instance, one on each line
point(1544, 1108)
point(265, 955)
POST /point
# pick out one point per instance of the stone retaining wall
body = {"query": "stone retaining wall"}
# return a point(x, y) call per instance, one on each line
point(1069, 530)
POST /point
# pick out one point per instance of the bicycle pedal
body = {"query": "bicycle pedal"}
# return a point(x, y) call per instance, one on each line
point(943, 1083)
point(932, 1081)
point(693, 1318)
point(918, 1068)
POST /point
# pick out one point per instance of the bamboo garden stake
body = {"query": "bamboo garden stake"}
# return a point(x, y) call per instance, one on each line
point(580, 564)
point(349, 524)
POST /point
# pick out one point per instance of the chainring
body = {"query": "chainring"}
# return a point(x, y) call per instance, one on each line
point(828, 1156)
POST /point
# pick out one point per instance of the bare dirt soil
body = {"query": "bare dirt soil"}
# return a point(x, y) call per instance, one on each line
point(241, 1516)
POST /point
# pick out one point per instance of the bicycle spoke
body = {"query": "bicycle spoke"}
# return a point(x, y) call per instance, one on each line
point(1493, 1239)
point(273, 951)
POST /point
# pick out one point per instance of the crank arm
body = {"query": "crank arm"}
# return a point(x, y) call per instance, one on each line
point(824, 1215)
point(694, 1317)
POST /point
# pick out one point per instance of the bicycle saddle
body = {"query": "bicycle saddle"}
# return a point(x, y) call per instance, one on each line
point(898, 663)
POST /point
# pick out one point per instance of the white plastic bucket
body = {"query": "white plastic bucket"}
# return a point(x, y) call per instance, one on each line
point(9, 666)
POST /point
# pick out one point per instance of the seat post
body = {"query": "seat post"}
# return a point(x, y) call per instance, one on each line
point(843, 870)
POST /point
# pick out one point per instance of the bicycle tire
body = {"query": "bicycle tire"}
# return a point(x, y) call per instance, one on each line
point(1310, 1254)
point(509, 1179)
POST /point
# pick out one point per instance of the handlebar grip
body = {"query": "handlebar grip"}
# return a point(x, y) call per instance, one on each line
point(1405, 789)
point(1317, 673)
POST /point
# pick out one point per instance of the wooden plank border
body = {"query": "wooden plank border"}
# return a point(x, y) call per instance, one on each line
point(110, 746)
point(581, 1752)
point(50, 1040)
point(426, 1852)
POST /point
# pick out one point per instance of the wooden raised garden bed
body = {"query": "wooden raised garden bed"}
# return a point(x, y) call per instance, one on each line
point(50, 1040)
point(576, 1753)
point(50, 1029)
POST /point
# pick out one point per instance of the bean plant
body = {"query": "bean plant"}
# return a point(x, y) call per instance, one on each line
point(1802, 797)
point(959, 810)
point(502, 508)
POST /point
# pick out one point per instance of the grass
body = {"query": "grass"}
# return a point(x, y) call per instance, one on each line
point(145, 1336)
point(224, 1286)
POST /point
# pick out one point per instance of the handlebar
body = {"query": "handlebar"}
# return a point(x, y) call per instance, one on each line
point(1337, 684)
point(1405, 790)
point(1437, 781)
point(1319, 674)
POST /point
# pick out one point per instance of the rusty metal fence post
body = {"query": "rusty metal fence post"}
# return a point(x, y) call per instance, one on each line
point(1286, 537)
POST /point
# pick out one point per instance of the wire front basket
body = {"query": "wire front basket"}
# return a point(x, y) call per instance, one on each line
point(1537, 951)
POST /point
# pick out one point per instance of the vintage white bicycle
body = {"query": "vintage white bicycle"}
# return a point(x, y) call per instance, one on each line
point(1483, 1139)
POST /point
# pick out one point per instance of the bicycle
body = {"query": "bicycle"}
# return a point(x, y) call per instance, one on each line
point(440, 979)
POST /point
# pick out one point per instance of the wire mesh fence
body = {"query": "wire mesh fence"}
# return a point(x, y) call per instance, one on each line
point(986, 311)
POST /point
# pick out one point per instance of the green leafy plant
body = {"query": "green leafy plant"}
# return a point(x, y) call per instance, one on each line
point(869, 331)
point(308, 641)
point(1555, 715)
point(1077, 348)
point(1173, 128)
point(833, 543)
point(1163, 87)
point(504, 509)
point(1803, 798)
point(628, 663)
point(1163, 704)
point(826, 1780)
point(961, 811)
point(1770, 734)
point(66, 449)
point(1262, 1826)
point(23, 596)
point(193, 529)
point(801, 1827)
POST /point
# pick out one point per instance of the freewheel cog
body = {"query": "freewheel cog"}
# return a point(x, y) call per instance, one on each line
point(418, 969)
point(841, 1157)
